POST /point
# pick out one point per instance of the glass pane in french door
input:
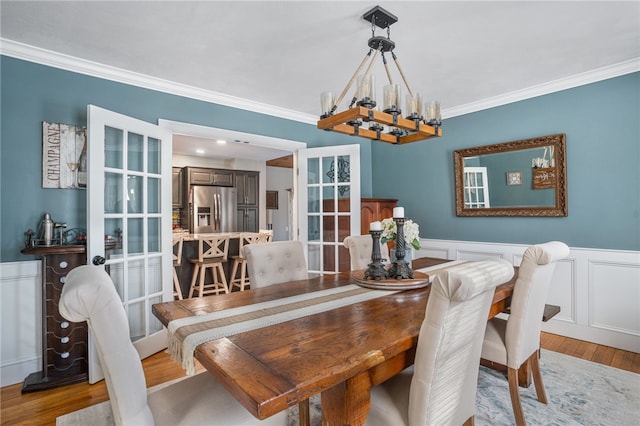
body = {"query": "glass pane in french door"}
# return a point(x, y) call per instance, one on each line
point(330, 205)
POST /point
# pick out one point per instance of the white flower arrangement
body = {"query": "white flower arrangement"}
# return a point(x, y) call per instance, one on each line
point(411, 232)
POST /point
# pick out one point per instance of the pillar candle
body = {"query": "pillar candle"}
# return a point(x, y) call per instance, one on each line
point(398, 212)
point(375, 226)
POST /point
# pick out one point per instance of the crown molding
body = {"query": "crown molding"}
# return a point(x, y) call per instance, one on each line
point(94, 69)
point(70, 63)
point(581, 79)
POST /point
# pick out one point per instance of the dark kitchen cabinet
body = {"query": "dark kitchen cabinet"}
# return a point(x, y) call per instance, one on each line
point(248, 219)
point(204, 176)
point(247, 191)
point(178, 192)
point(247, 187)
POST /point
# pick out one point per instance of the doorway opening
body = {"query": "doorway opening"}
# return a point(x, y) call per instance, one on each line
point(198, 146)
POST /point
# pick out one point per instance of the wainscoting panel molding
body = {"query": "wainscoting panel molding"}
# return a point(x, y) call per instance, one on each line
point(598, 292)
point(21, 319)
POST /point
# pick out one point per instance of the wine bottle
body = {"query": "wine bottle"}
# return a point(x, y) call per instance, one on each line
point(82, 169)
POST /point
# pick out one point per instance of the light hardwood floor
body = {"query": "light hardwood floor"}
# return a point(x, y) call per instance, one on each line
point(42, 408)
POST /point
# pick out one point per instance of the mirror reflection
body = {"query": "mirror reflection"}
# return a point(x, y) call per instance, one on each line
point(520, 178)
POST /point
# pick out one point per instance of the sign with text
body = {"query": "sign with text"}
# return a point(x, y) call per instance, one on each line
point(64, 155)
point(544, 178)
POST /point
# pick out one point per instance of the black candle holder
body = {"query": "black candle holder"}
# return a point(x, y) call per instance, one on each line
point(376, 270)
point(400, 269)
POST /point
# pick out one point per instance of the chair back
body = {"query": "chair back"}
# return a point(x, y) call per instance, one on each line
point(522, 337)
point(177, 240)
point(254, 238)
point(360, 248)
point(443, 387)
point(213, 247)
point(276, 262)
point(268, 233)
point(89, 295)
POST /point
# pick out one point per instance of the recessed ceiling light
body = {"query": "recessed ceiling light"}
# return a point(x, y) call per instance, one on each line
point(221, 141)
point(199, 151)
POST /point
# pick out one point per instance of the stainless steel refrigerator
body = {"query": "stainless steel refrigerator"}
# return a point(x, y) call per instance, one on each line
point(212, 209)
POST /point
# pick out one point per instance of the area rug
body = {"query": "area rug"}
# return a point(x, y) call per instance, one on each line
point(580, 393)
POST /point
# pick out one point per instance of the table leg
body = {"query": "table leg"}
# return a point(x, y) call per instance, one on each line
point(304, 416)
point(347, 403)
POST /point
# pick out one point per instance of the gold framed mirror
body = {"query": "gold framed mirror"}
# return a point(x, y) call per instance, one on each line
point(519, 178)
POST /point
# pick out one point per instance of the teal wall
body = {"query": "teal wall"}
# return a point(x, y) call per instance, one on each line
point(602, 124)
point(601, 121)
point(32, 93)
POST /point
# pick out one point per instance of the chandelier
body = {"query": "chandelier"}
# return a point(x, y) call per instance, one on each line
point(389, 124)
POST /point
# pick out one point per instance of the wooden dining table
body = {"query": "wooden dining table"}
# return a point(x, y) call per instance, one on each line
point(340, 353)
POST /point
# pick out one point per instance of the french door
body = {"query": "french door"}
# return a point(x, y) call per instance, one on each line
point(129, 220)
point(328, 205)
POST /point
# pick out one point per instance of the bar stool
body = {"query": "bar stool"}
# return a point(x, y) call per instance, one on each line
point(177, 261)
point(240, 263)
point(212, 254)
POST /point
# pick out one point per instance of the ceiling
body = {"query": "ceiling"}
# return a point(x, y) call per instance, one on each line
point(284, 54)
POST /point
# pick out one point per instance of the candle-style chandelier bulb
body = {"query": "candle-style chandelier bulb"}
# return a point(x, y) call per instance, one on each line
point(433, 117)
point(391, 99)
point(327, 101)
point(366, 91)
point(413, 110)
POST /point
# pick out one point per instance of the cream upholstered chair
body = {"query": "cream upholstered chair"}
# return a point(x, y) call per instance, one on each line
point(212, 254)
point(440, 388)
point(239, 261)
point(276, 262)
point(178, 243)
point(89, 295)
point(516, 340)
point(360, 248)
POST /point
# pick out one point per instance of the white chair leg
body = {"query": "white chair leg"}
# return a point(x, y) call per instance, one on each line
point(243, 275)
point(203, 272)
point(223, 279)
point(176, 284)
point(194, 277)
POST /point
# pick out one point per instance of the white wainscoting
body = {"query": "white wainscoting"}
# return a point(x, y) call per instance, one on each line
point(21, 316)
point(598, 292)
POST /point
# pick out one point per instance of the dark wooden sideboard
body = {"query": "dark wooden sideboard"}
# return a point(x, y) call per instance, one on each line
point(64, 343)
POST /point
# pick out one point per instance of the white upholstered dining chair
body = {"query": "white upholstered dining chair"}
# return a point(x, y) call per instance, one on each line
point(516, 340)
point(360, 248)
point(89, 295)
point(276, 262)
point(440, 388)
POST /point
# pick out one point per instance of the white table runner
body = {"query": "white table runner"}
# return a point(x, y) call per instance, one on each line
point(186, 334)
